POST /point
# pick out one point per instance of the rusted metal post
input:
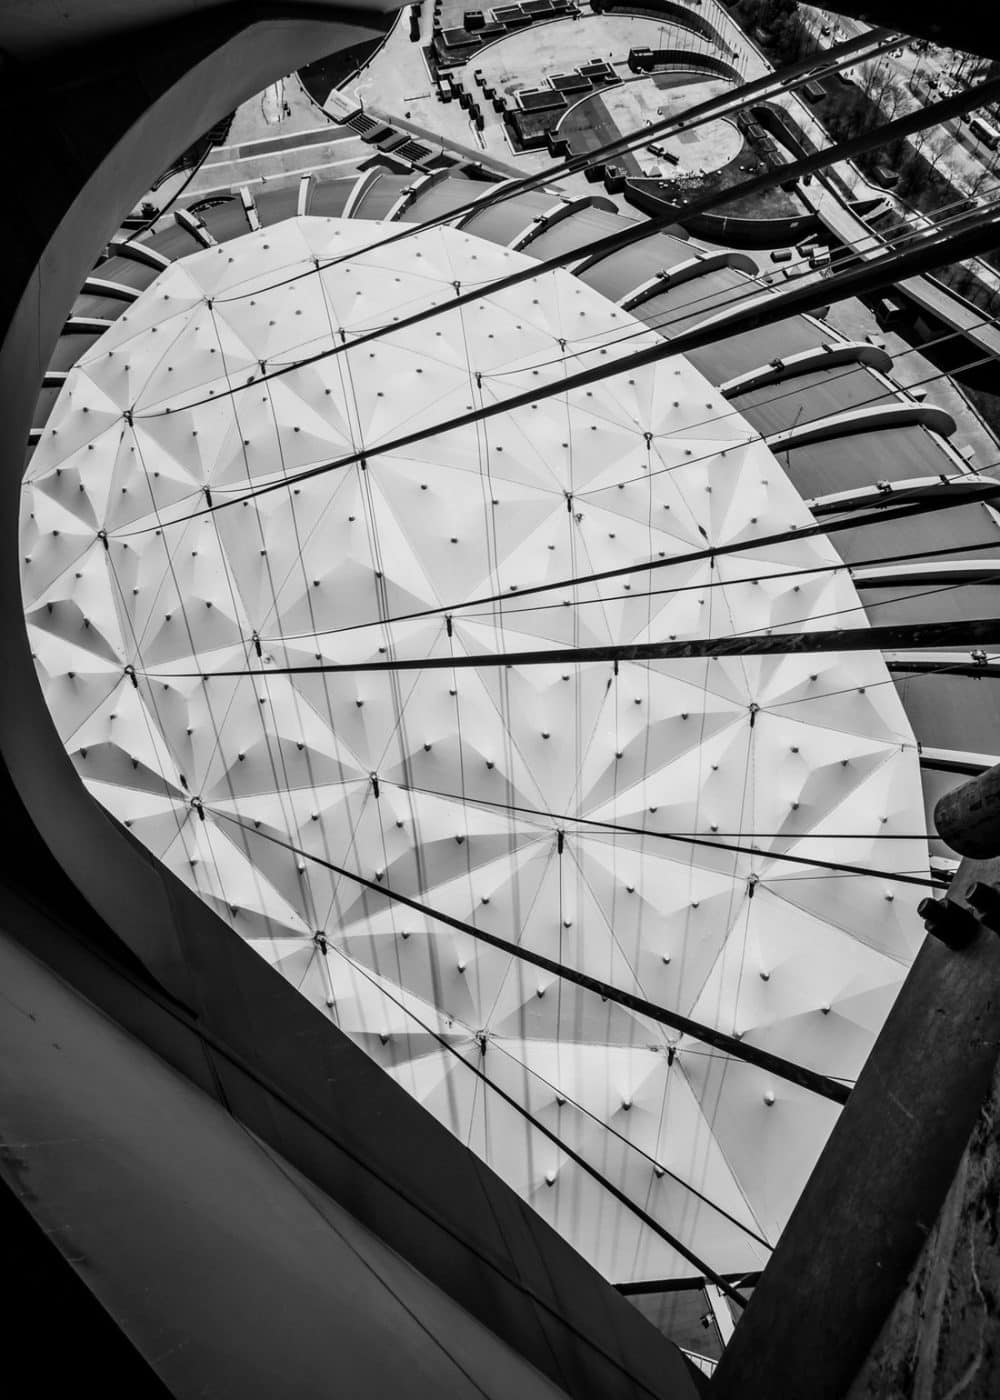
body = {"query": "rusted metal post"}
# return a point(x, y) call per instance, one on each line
point(968, 818)
point(877, 1189)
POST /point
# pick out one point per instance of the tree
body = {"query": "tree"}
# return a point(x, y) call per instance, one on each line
point(936, 147)
point(983, 177)
point(881, 86)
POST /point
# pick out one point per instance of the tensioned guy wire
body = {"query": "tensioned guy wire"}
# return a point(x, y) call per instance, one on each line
point(612, 243)
point(784, 1069)
point(932, 250)
point(846, 54)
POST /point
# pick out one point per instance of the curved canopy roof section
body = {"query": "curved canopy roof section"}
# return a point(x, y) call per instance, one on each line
point(530, 803)
point(34, 30)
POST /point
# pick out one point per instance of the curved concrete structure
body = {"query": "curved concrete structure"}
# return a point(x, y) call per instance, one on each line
point(697, 266)
point(565, 209)
point(863, 420)
point(149, 924)
point(785, 367)
point(360, 188)
point(112, 921)
point(117, 291)
point(969, 484)
point(932, 571)
point(413, 191)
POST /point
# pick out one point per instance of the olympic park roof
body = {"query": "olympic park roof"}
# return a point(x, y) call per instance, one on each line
point(534, 803)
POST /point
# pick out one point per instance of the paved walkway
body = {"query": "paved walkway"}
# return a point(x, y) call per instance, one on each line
point(266, 142)
point(264, 116)
point(296, 156)
point(397, 84)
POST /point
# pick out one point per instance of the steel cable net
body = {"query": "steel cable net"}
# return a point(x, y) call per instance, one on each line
point(436, 785)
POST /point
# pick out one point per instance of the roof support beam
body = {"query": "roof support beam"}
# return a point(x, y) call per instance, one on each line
point(965, 484)
point(117, 291)
point(139, 252)
point(846, 352)
point(961, 632)
point(412, 192)
point(358, 191)
point(807, 298)
point(974, 235)
point(249, 209)
point(555, 215)
point(698, 266)
point(865, 419)
point(731, 1045)
point(195, 227)
point(87, 325)
point(956, 761)
point(645, 1287)
point(934, 571)
point(979, 665)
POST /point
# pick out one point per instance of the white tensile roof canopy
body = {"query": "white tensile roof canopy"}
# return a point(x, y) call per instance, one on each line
point(463, 788)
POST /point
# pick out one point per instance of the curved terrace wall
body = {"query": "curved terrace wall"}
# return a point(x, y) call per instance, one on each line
point(665, 9)
point(735, 230)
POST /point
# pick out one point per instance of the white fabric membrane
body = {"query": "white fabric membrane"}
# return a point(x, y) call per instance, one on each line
point(478, 770)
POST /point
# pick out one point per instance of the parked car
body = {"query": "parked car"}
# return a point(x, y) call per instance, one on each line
point(987, 134)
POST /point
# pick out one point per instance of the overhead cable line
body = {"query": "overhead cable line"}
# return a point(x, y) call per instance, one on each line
point(985, 666)
point(578, 1160)
point(680, 310)
point(739, 1049)
point(915, 669)
point(596, 251)
point(950, 552)
point(913, 556)
point(892, 393)
point(643, 328)
point(681, 1285)
point(962, 632)
point(613, 1132)
point(718, 843)
point(906, 505)
point(343, 1145)
point(613, 827)
point(977, 487)
point(657, 325)
point(853, 51)
point(600, 340)
point(761, 311)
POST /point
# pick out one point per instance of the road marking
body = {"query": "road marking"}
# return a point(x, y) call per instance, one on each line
point(285, 151)
point(337, 133)
point(271, 181)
